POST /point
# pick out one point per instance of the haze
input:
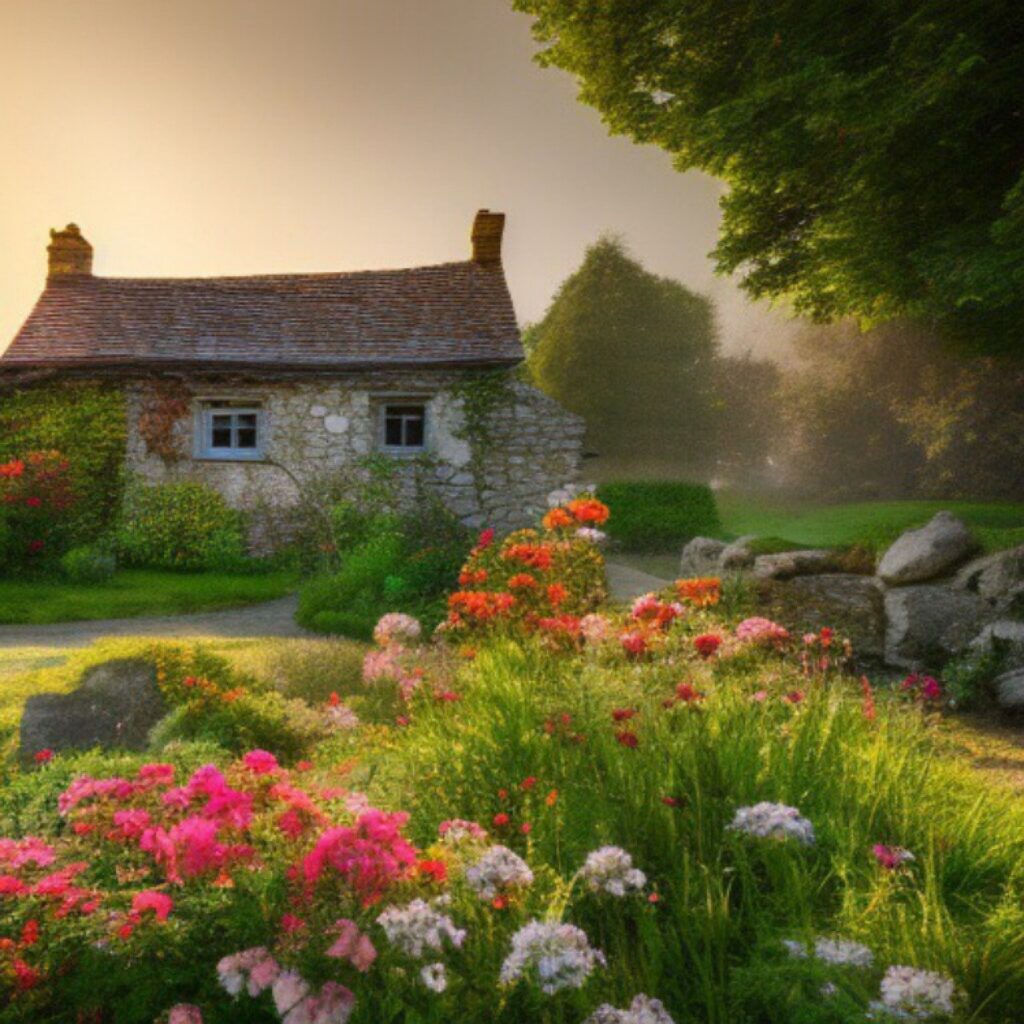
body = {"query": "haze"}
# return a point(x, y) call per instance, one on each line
point(194, 138)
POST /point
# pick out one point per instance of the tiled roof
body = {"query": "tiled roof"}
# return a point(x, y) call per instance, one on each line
point(453, 313)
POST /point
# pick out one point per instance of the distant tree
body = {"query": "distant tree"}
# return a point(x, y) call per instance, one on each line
point(874, 149)
point(633, 354)
point(747, 435)
point(893, 413)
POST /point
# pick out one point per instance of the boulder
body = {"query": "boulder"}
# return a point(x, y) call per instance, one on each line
point(929, 623)
point(932, 550)
point(1005, 636)
point(700, 557)
point(1009, 689)
point(737, 555)
point(851, 604)
point(997, 578)
point(783, 565)
point(115, 705)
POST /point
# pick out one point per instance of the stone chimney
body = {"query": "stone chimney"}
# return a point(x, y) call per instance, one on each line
point(70, 254)
point(487, 231)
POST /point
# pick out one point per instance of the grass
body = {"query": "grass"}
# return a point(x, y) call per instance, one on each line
point(873, 524)
point(710, 948)
point(136, 592)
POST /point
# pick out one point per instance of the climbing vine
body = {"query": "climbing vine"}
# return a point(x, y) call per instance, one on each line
point(86, 423)
point(159, 417)
point(481, 395)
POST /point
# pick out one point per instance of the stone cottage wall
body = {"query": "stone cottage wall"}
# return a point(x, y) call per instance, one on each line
point(317, 427)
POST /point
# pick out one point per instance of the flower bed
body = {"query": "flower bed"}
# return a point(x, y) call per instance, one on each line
point(661, 815)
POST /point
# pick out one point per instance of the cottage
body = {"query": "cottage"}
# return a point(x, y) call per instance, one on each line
point(259, 385)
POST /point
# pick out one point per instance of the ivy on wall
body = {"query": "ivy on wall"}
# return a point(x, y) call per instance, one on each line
point(87, 424)
point(157, 424)
point(481, 395)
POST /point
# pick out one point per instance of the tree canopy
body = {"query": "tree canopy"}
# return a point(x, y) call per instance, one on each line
point(874, 149)
point(633, 354)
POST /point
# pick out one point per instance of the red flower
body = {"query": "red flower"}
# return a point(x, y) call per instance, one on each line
point(42, 756)
point(290, 923)
point(670, 801)
point(686, 693)
point(499, 903)
point(149, 899)
point(627, 738)
point(528, 783)
point(623, 714)
point(526, 828)
point(707, 644)
point(557, 594)
point(30, 932)
point(500, 820)
point(435, 870)
point(33, 502)
point(633, 643)
point(486, 539)
point(35, 546)
point(795, 697)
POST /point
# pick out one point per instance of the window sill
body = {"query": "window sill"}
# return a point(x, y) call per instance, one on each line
point(246, 459)
point(403, 452)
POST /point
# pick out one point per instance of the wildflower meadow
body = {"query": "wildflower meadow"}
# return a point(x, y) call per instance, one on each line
point(552, 809)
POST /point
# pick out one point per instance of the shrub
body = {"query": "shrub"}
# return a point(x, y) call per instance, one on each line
point(88, 563)
point(659, 515)
point(180, 525)
point(36, 500)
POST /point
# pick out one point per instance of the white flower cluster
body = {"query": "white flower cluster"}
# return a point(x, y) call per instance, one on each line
point(556, 955)
point(396, 627)
point(341, 717)
point(417, 928)
point(839, 952)
point(610, 869)
point(498, 870)
point(643, 1010)
point(773, 821)
point(914, 994)
point(591, 535)
point(434, 977)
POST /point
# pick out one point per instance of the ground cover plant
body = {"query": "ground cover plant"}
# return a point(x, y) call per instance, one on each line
point(660, 813)
point(133, 592)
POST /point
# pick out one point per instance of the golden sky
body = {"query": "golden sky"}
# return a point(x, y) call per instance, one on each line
point(195, 137)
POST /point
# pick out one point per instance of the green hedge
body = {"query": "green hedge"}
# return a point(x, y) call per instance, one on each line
point(658, 515)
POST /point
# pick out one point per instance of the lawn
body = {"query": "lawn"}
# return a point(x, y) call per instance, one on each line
point(136, 592)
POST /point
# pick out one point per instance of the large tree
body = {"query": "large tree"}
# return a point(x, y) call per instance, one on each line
point(633, 353)
point(874, 148)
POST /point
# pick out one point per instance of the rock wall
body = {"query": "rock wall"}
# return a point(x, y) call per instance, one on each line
point(315, 427)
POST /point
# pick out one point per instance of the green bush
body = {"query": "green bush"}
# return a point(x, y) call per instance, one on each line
point(181, 525)
point(88, 563)
point(659, 515)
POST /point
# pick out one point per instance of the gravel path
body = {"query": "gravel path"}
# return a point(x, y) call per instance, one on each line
point(271, 618)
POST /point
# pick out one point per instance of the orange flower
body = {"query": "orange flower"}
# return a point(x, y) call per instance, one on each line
point(557, 594)
point(557, 518)
point(521, 580)
point(702, 592)
point(551, 798)
point(589, 510)
point(537, 556)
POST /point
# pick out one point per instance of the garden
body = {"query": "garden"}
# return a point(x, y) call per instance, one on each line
point(549, 807)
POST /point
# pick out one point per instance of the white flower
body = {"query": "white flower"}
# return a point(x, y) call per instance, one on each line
point(418, 928)
point(341, 717)
point(592, 535)
point(843, 952)
point(661, 97)
point(797, 950)
point(554, 955)
point(434, 977)
point(610, 869)
point(497, 870)
point(396, 627)
point(773, 821)
point(643, 1010)
point(915, 994)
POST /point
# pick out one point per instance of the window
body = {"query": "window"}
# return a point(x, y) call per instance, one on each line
point(403, 426)
point(230, 430)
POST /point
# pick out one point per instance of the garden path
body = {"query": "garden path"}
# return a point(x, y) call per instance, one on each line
point(271, 618)
point(626, 583)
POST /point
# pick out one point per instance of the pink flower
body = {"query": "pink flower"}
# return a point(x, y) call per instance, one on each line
point(760, 696)
point(129, 824)
point(290, 923)
point(289, 989)
point(352, 945)
point(634, 643)
point(156, 775)
point(891, 857)
point(150, 899)
point(261, 762)
point(185, 1013)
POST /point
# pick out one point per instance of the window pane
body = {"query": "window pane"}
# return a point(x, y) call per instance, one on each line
point(221, 437)
point(393, 430)
point(246, 437)
point(246, 419)
point(414, 431)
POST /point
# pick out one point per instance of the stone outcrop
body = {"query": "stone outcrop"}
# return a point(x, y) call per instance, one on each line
point(783, 565)
point(115, 705)
point(1009, 690)
point(928, 624)
point(998, 579)
point(700, 557)
point(737, 555)
point(928, 552)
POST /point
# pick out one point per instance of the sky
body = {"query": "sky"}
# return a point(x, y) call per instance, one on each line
point(211, 137)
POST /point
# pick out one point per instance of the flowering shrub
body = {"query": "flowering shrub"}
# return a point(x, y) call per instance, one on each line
point(36, 499)
point(534, 580)
point(555, 956)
